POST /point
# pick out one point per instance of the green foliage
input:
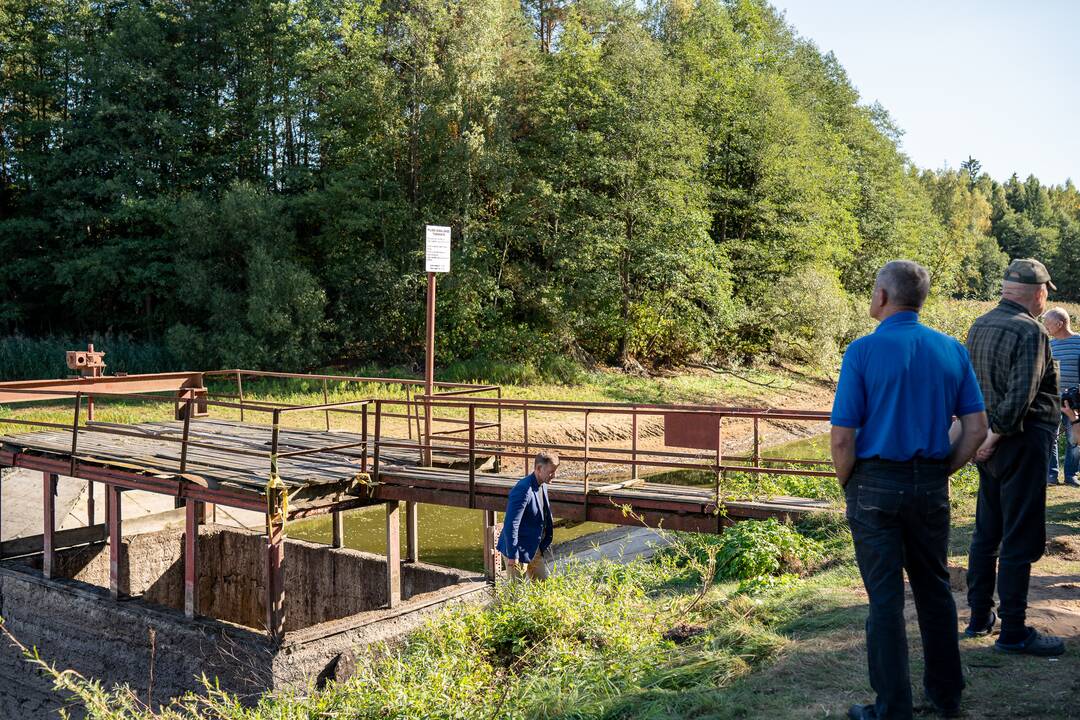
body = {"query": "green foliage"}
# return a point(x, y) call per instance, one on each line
point(754, 549)
point(247, 183)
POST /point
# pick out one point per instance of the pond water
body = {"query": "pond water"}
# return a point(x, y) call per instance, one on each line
point(448, 535)
point(452, 536)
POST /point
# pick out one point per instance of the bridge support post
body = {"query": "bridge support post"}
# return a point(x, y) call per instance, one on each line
point(338, 539)
point(412, 533)
point(48, 497)
point(491, 552)
point(393, 554)
point(191, 556)
point(113, 510)
point(275, 580)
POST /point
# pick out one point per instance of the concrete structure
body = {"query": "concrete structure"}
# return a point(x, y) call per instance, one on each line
point(146, 642)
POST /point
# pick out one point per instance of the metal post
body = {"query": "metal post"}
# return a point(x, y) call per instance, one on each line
point(191, 559)
point(498, 421)
point(585, 496)
point(338, 539)
point(240, 394)
point(490, 551)
point(412, 532)
point(719, 471)
point(633, 446)
point(429, 366)
point(48, 497)
point(393, 555)
point(115, 532)
point(525, 432)
point(326, 400)
point(408, 409)
point(75, 433)
point(472, 456)
point(378, 437)
point(363, 437)
point(275, 580)
point(757, 445)
point(186, 435)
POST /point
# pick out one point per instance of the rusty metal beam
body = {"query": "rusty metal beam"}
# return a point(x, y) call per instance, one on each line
point(60, 389)
point(275, 581)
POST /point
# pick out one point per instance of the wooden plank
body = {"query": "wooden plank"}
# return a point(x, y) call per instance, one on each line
point(48, 556)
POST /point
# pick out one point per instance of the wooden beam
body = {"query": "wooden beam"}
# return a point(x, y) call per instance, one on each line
point(48, 556)
point(115, 535)
point(412, 533)
point(393, 554)
point(275, 582)
point(191, 558)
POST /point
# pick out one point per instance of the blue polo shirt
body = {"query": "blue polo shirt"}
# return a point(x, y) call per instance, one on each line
point(900, 387)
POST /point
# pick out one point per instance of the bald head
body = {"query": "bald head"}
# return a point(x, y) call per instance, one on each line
point(1057, 322)
point(906, 284)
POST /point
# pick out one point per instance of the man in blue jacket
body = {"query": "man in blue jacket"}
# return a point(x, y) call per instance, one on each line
point(528, 527)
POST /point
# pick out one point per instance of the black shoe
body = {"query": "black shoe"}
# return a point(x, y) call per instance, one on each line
point(982, 629)
point(1035, 644)
point(862, 712)
point(948, 711)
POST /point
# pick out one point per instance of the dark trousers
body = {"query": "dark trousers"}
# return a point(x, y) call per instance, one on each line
point(899, 518)
point(1010, 527)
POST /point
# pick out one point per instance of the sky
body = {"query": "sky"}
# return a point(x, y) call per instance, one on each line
point(995, 80)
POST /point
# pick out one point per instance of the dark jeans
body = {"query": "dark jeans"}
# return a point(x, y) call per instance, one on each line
point(1010, 521)
point(899, 518)
point(1072, 454)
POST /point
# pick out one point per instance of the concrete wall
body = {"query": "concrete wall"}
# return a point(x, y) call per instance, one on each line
point(77, 626)
point(321, 583)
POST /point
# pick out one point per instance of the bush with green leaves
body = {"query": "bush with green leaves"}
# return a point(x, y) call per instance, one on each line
point(751, 549)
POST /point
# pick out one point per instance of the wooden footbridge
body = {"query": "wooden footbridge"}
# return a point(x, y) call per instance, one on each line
point(220, 448)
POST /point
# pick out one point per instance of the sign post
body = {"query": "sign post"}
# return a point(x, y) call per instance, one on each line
point(437, 260)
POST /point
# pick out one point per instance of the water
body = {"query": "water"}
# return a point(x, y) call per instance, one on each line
point(452, 536)
point(449, 536)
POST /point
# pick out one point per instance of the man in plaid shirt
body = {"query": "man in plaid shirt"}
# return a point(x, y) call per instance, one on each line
point(1010, 352)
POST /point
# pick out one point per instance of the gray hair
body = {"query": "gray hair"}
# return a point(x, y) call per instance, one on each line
point(906, 282)
point(1060, 314)
point(547, 457)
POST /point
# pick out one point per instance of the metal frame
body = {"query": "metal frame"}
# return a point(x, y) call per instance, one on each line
point(463, 412)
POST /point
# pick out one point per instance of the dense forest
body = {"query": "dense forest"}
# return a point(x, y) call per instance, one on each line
point(245, 182)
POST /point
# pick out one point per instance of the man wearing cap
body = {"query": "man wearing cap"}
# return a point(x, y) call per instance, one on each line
point(1010, 352)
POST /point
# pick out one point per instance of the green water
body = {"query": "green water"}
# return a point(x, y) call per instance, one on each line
point(452, 536)
point(448, 536)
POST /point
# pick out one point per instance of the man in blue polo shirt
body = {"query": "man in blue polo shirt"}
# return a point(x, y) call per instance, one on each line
point(898, 392)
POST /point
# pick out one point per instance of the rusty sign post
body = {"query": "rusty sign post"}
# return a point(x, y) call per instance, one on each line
point(437, 258)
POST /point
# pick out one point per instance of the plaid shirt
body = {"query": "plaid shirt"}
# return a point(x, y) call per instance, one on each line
point(1010, 352)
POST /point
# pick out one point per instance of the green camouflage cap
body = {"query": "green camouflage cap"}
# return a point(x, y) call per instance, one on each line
point(1028, 271)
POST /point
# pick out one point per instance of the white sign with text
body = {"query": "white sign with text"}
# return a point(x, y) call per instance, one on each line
point(438, 248)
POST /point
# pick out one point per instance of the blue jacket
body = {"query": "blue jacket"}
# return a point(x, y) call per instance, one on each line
point(527, 528)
